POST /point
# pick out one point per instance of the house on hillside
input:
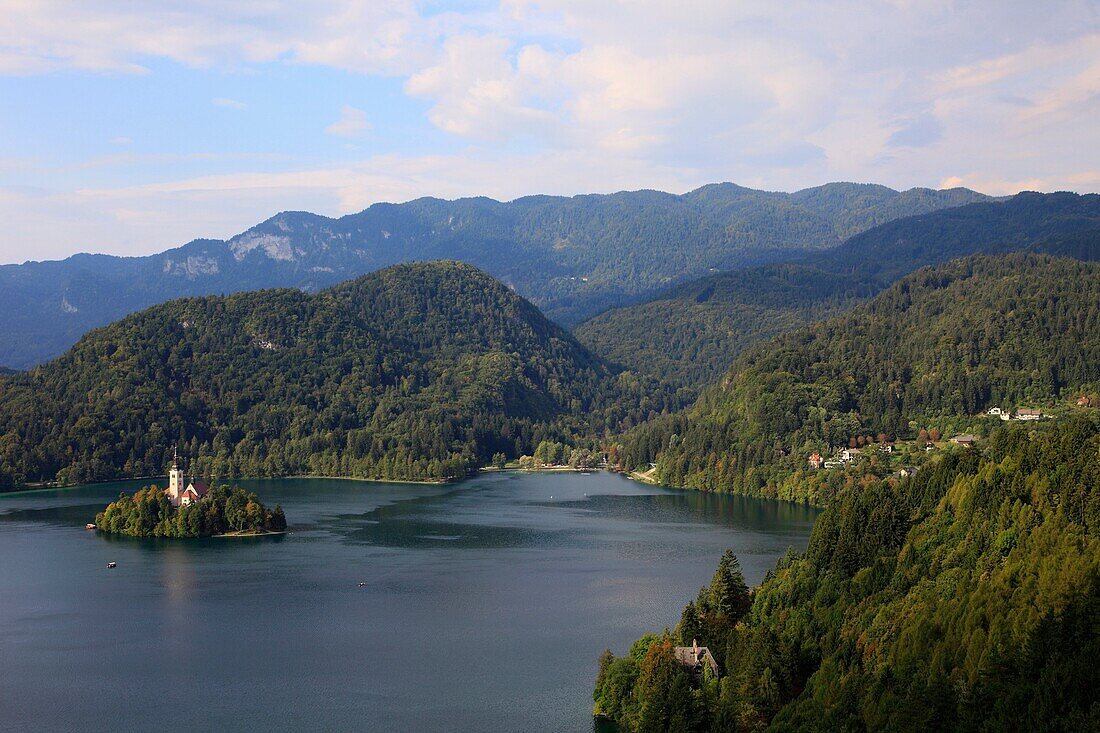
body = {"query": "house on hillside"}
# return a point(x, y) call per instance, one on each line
point(849, 454)
point(1084, 401)
point(1028, 414)
point(815, 461)
point(965, 439)
point(696, 659)
point(907, 472)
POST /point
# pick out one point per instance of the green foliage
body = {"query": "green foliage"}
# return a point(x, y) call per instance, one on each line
point(574, 257)
point(728, 595)
point(951, 340)
point(421, 371)
point(148, 513)
point(690, 334)
point(966, 598)
point(649, 690)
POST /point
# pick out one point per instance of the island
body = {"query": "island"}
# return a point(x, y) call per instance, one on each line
point(196, 510)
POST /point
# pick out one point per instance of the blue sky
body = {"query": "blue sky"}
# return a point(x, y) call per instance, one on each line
point(130, 127)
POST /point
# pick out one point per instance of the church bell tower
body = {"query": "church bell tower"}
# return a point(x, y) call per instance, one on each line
point(175, 478)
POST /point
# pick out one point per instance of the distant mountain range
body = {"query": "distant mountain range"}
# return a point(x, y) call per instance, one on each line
point(691, 333)
point(573, 257)
point(417, 371)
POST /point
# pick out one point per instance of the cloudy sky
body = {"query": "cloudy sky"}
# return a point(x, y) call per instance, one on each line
point(128, 126)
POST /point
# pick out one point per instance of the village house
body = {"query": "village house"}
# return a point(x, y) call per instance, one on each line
point(696, 659)
point(815, 461)
point(965, 439)
point(849, 454)
point(1084, 401)
point(1028, 414)
point(907, 472)
point(886, 447)
point(180, 495)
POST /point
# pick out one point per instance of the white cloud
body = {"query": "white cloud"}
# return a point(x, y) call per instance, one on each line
point(379, 36)
point(572, 96)
point(1088, 180)
point(228, 103)
point(479, 92)
point(352, 123)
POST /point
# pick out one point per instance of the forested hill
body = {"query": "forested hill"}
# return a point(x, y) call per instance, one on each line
point(690, 334)
point(966, 598)
point(572, 256)
point(1003, 330)
point(419, 371)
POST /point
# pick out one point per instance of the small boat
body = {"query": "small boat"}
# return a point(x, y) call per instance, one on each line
point(89, 525)
point(362, 585)
point(112, 565)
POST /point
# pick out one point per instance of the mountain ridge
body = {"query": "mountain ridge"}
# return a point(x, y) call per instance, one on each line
point(691, 332)
point(572, 256)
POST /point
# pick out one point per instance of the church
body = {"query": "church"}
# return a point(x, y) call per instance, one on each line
point(178, 495)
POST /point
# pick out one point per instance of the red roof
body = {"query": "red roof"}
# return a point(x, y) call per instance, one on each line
point(199, 487)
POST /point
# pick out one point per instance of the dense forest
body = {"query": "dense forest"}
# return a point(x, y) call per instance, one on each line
point(1010, 330)
point(690, 334)
point(420, 371)
point(223, 510)
point(965, 598)
point(573, 257)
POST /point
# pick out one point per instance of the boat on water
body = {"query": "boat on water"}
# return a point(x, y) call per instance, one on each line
point(112, 565)
point(89, 525)
point(362, 585)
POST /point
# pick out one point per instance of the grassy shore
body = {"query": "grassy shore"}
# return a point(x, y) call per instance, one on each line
point(250, 533)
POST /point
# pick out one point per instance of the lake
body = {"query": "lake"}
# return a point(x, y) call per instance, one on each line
point(487, 603)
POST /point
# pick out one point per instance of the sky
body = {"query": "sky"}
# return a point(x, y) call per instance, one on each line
point(131, 126)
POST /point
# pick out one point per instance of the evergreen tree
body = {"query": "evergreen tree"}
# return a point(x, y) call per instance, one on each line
point(729, 595)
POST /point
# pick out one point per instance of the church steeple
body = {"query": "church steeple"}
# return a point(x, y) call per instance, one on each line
point(175, 478)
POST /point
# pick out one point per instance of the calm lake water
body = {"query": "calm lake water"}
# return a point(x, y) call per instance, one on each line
point(486, 607)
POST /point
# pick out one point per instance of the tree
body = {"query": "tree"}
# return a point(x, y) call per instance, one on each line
point(729, 595)
point(665, 701)
point(690, 627)
point(613, 696)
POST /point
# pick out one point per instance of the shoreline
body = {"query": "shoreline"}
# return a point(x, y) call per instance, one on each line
point(647, 477)
point(238, 535)
point(31, 488)
point(544, 469)
point(439, 482)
